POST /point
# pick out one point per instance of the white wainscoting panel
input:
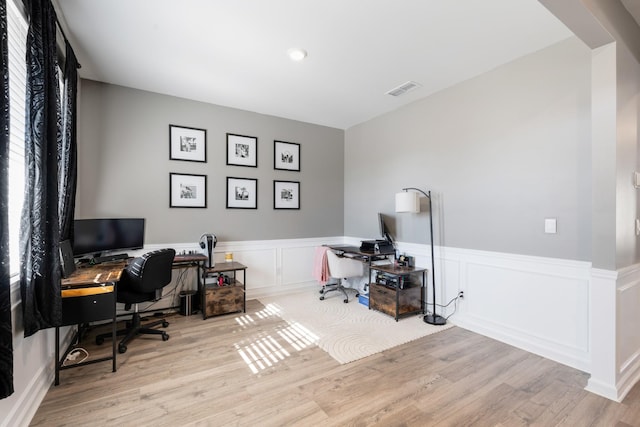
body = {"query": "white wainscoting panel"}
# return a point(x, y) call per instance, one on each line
point(545, 310)
point(273, 266)
point(628, 329)
point(538, 304)
point(276, 266)
point(629, 323)
point(603, 334)
point(261, 267)
point(295, 263)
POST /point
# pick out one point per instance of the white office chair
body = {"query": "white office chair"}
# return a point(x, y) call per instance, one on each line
point(341, 268)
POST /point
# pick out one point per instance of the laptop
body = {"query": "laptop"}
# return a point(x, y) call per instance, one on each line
point(67, 264)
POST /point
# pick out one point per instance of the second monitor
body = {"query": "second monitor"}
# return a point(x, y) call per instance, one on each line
point(384, 230)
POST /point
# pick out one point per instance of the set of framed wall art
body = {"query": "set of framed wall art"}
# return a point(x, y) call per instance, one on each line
point(190, 190)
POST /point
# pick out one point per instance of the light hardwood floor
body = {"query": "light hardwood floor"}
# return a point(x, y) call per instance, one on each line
point(200, 377)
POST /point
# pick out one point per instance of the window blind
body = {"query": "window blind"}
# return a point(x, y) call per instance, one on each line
point(17, 42)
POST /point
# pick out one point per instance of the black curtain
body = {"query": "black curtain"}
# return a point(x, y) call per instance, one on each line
point(67, 163)
point(6, 334)
point(40, 226)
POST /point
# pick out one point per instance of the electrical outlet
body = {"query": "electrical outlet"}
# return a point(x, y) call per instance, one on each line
point(461, 294)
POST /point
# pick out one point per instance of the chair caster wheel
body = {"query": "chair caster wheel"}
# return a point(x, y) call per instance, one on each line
point(321, 298)
point(165, 324)
point(122, 348)
point(322, 291)
point(165, 336)
point(99, 340)
point(346, 301)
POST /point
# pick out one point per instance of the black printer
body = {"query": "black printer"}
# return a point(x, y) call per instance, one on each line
point(381, 246)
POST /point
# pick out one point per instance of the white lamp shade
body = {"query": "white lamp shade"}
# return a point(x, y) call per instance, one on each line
point(407, 202)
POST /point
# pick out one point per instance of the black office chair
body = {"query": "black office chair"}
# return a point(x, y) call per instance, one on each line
point(139, 282)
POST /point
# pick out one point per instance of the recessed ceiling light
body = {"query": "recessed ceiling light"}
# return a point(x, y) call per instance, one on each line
point(297, 54)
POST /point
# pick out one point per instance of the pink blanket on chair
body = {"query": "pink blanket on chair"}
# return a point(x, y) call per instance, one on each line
point(321, 265)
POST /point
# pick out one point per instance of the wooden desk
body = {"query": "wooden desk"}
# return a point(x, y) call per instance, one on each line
point(181, 260)
point(191, 260)
point(357, 254)
point(88, 295)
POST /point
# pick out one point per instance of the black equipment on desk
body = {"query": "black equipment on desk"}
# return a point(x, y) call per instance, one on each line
point(394, 280)
point(108, 258)
point(382, 246)
point(406, 261)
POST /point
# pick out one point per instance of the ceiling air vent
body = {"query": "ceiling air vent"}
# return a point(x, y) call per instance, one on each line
point(404, 88)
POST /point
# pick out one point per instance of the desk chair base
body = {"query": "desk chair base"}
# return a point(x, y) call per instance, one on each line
point(134, 328)
point(337, 287)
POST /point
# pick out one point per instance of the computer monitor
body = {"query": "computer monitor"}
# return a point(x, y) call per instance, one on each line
point(384, 230)
point(97, 236)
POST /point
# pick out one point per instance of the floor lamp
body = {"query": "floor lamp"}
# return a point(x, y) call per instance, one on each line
point(410, 202)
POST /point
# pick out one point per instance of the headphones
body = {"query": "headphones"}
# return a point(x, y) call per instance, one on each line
point(209, 238)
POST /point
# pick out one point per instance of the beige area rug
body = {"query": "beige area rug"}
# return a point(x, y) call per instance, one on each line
point(347, 332)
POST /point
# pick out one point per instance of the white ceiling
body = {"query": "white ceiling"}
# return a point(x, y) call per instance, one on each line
point(233, 52)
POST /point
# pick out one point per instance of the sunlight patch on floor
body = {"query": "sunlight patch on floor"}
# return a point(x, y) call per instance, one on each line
point(262, 353)
point(298, 336)
point(245, 320)
point(266, 351)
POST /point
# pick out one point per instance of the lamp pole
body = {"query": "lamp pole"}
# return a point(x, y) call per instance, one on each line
point(432, 319)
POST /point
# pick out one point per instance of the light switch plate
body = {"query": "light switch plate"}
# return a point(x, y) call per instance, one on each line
point(550, 226)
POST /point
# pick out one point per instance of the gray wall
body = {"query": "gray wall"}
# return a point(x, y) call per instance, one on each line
point(124, 167)
point(500, 153)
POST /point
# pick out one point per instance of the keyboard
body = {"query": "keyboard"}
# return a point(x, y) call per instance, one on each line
point(101, 259)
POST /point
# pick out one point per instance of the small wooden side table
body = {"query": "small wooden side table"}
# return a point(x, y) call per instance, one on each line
point(222, 290)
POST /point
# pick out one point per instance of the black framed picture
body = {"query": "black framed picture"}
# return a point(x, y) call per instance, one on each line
point(242, 193)
point(286, 195)
point(187, 190)
point(242, 150)
point(187, 143)
point(286, 156)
